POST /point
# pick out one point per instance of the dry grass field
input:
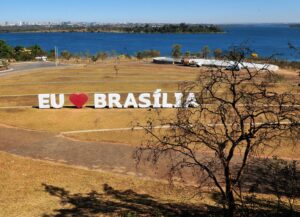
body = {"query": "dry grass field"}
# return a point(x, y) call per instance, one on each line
point(35, 188)
point(22, 90)
point(32, 187)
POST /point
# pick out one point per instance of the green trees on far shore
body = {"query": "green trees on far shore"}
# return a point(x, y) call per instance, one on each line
point(127, 28)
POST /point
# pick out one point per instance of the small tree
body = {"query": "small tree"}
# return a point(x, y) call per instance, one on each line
point(66, 54)
point(187, 54)
point(94, 58)
point(205, 52)
point(22, 54)
point(103, 56)
point(139, 55)
point(176, 51)
point(51, 54)
point(297, 52)
point(236, 116)
point(6, 51)
point(36, 50)
point(117, 69)
point(218, 53)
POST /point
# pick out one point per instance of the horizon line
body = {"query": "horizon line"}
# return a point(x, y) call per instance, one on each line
point(203, 23)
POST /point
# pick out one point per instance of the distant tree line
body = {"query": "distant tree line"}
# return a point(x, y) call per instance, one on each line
point(295, 25)
point(174, 28)
point(128, 28)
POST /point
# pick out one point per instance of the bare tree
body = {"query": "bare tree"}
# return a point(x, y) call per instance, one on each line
point(116, 68)
point(116, 58)
point(237, 116)
point(296, 51)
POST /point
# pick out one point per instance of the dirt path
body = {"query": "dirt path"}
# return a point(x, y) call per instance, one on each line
point(93, 155)
point(112, 157)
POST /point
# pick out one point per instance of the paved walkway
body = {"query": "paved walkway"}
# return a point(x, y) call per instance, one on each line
point(27, 66)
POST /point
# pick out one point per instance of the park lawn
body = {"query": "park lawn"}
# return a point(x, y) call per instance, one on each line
point(65, 120)
point(94, 87)
point(104, 72)
point(97, 78)
point(286, 150)
point(70, 119)
point(21, 181)
point(133, 76)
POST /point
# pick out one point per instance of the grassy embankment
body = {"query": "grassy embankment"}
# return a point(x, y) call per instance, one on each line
point(22, 190)
point(21, 90)
point(33, 188)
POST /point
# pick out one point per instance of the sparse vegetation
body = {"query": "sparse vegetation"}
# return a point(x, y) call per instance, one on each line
point(147, 54)
point(273, 78)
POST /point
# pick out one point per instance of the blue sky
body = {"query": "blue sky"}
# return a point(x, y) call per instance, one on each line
point(173, 11)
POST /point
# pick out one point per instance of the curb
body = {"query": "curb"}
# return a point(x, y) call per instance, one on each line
point(7, 70)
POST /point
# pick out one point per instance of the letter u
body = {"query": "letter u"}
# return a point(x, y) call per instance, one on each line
point(61, 101)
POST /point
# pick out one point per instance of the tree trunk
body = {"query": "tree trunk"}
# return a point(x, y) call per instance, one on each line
point(230, 204)
point(231, 207)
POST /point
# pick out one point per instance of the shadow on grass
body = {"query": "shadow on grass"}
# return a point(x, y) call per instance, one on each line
point(121, 203)
point(272, 176)
point(255, 206)
point(114, 202)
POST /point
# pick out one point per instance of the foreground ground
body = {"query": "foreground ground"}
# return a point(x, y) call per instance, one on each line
point(36, 188)
point(102, 141)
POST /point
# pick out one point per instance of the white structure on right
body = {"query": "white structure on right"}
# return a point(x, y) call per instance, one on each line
point(228, 64)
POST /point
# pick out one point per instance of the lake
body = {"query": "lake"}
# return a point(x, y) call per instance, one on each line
point(263, 39)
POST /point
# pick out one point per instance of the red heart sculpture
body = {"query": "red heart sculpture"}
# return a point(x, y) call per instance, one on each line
point(78, 99)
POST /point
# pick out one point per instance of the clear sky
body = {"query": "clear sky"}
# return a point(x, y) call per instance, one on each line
point(173, 11)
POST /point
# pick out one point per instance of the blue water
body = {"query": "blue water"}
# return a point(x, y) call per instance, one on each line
point(266, 40)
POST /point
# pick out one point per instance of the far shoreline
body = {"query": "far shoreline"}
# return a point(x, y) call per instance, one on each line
point(117, 32)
